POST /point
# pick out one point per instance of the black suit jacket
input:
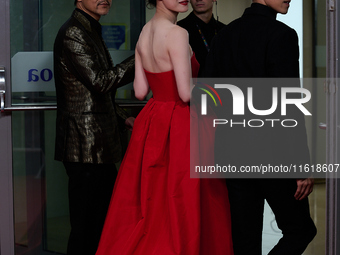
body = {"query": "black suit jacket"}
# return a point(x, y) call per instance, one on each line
point(192, 24)
point(255, 45)
point(258, 46)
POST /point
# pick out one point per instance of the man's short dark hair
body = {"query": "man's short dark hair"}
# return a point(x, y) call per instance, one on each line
point(75, 2)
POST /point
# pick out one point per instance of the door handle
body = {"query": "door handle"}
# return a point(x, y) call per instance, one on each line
point(323, 126)
point(2, 88)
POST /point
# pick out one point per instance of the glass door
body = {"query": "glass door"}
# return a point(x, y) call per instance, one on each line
point(34, 204)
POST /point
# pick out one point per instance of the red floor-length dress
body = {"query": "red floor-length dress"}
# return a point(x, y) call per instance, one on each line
point(156, 208)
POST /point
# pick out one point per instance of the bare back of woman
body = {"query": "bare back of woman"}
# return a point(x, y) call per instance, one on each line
point(164, 46)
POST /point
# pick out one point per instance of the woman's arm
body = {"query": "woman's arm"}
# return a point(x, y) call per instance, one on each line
point(180, 56)
point(140, 84)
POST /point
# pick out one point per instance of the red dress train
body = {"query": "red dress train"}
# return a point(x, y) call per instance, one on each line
point(156, 208)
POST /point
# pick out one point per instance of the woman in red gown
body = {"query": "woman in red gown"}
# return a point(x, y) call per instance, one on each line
point(156, 208)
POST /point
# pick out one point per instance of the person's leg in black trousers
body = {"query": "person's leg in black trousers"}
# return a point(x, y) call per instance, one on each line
point(292, 217)
point(90, 189)
point(246, 206)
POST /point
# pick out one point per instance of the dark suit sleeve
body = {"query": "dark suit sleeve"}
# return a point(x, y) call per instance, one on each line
point(283, 62)
point(86, 59)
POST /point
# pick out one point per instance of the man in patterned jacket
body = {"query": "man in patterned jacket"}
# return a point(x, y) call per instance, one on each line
point(88, 140)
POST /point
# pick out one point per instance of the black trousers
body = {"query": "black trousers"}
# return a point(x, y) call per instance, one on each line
point(247, 205)
point(90, 189)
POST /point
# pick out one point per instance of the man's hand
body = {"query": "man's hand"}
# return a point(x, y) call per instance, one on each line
point(304, 188)
point(129, 123)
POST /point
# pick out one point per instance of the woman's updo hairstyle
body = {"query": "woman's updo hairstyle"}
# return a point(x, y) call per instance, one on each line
point(151, 3)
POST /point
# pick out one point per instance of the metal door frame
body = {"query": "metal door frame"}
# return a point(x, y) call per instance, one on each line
point(332, 136)
point(6, 186)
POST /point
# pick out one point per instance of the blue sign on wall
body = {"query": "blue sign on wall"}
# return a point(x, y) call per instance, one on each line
point(114, 35)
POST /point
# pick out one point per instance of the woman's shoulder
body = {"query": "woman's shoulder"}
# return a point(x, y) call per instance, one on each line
point(145, 28)
point(177, 34)
point(179, 30)
point(145, 34)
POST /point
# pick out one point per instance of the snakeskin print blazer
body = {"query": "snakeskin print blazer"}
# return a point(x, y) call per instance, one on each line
point(87, 128)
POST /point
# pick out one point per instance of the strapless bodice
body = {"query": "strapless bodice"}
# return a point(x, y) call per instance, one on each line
point(163, 85)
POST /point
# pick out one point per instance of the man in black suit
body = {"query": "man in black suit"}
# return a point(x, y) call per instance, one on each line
point(202, 27)
point(258, 46)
